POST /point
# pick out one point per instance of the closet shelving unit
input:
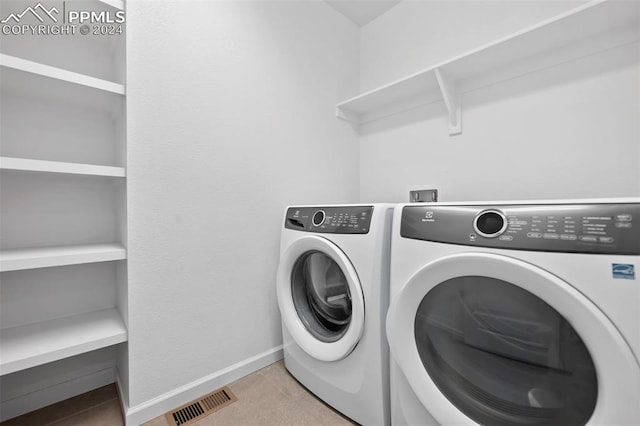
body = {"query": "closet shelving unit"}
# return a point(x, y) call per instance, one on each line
point(592, 28)
point(55, 73)
point(43, 166)
point(45, 257)
point(30, 344)
point(40, 343)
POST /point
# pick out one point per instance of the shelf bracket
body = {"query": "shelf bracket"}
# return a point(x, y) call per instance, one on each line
point(347, 116)
point(452, 100)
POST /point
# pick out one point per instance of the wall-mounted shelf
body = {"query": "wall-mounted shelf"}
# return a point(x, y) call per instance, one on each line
point(35, 344)
point(44, 257)
point(589, 29)
point(42, 166)
point(37, 68)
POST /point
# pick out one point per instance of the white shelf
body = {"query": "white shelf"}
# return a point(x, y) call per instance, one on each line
point(44, 257)
point(29, 165)
point(118, 4)
point(594, 27)
point(37, 68)
point(30, 345)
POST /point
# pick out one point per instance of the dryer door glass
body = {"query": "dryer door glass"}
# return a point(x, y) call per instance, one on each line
point(321, 296)
point(503, 356)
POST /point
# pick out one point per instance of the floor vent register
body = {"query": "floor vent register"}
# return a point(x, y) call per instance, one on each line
point(193, 411)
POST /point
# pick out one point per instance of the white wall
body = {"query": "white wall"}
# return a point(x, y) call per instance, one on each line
point(230, 119)
point(570, 131)
point(417, 34)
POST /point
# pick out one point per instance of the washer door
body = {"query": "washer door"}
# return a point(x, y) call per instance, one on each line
point(320, 298)
point(493, 340)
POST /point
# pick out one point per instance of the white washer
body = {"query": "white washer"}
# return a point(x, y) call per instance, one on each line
point(333, 294)
point(516, 313)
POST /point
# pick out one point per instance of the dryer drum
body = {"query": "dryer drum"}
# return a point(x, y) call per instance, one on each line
point(321, 296)
point(503, 356)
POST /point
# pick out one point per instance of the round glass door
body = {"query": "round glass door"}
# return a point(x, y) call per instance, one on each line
point(499, 341)
point(321, 296)
point(320, 299)
point(503, 356)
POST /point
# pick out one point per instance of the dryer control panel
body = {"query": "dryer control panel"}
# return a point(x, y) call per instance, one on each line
point(569, 228)
point(330, 220)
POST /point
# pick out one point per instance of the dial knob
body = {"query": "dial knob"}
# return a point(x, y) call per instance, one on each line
point(318, 218)
point(490, 223)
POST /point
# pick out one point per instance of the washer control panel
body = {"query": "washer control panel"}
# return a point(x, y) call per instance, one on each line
point(574, 228)
point(330, 220)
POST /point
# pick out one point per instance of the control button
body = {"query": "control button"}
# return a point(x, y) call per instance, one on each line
point(490, 223)
point(568, 237)
point(606, 239)
point(506, 237)
point(623, 225)
point(549, 236)
point(588, 238)
point(624, 218)
point(534, 235)
point(318, 218)
point(518, 222)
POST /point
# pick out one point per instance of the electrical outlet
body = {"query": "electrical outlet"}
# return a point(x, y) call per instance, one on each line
point(423, 196)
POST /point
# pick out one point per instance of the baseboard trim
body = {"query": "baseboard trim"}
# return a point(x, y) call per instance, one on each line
point(155, 407)
point(122, 397)
point(41, 398)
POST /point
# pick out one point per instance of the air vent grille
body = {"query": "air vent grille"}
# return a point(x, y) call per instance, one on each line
point(196, 410)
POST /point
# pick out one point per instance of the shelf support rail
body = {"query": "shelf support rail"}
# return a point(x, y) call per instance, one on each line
point(452, 100)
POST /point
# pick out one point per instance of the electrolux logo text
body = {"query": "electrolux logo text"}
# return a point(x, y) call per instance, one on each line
point(62, 18)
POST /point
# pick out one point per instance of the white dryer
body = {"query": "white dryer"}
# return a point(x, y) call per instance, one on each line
point(333, 294)
point(518, 313)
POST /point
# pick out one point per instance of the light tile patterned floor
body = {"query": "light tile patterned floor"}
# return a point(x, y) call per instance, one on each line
point(270, 396)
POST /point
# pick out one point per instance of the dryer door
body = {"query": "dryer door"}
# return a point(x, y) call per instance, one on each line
point(493, 340)
point(320, 298)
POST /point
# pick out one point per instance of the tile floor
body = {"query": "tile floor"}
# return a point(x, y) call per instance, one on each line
point(270, 396)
